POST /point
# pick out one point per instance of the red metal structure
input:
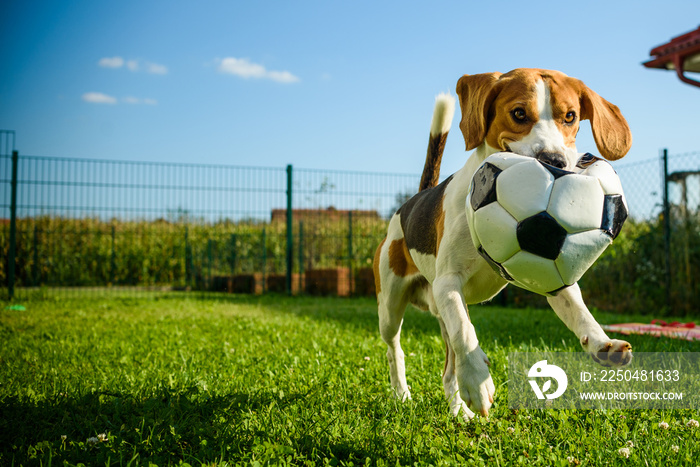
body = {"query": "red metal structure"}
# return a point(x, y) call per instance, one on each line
point(682, 54)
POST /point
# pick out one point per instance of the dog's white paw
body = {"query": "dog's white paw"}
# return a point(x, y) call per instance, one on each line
point(464, 412)
point(609, 353)
point(458, 408)
point(402, 394)
point(476, 387)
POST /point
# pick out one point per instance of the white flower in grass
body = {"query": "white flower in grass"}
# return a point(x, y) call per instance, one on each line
point(367, 358)
point(64, 437)
point(630, 444)
point(102, 437)
point(692, 423)
point(624, 452)
point(510, 430)
point(411, 354)
point(674, 448)
point(362, 369)
point(572, 460)
point(663, 425)
point(93, 440)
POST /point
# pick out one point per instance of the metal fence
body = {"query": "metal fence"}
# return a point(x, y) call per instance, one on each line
point(141, 226)
point(116, 225)
point(654, 266)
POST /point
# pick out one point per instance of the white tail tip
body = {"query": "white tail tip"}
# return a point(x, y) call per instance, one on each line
point(443, 113)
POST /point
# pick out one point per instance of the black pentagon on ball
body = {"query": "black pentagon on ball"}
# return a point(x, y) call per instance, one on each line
point(484, 186)
point(541, 235)
point(494, 265)
point(587, 160)
point(614, 215)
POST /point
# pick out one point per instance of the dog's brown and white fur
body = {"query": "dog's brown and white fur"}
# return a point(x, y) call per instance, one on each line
point(427, 257)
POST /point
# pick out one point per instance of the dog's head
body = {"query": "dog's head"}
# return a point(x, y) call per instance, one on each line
point(536, 113)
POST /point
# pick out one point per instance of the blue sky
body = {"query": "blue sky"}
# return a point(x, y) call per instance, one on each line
point(326, 84)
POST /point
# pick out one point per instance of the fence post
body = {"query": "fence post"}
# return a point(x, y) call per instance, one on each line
point(233, 258)
point(290, 240)
point(264, 259)
point(301, 256)
point(113, 260)
point(35, 263)
point(13, 227)
point(210, 259)
point(667, 229)
point(350, 252)
point(188, 259)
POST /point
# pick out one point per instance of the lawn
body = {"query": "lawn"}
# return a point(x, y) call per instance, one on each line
point(233, 380)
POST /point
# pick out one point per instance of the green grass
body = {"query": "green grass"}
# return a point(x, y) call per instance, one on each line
point(277, 380)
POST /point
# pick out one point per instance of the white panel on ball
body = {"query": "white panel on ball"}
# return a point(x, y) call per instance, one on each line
point(470, 221)
point(504, 160)
point(579, 252)
point(607, 177)
point(575, 212)
point(540, 275)
point(497, 231)
point(524, 191)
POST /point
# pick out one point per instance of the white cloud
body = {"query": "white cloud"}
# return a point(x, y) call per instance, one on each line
point(156, 69)
point(111, 62)
point(241, 67)
point(134, 65)
point(246, 69)
point(99, 98)
point(136, 101)
point(282, 76)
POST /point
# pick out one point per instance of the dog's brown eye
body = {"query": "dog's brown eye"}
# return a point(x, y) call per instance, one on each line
point(519, 115)
point(570, 117)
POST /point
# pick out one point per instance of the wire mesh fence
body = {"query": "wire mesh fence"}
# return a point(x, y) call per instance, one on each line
point(654, 266)
point(144, 226)
point(115, 226)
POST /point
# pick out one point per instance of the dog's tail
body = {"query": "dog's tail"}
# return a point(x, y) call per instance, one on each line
point(439, 128)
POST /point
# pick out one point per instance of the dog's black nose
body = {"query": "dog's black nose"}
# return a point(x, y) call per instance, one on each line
point(552, 158)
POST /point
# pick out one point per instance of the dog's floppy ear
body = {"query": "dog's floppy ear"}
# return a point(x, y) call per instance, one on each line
point(610, 130)
point(476, 94)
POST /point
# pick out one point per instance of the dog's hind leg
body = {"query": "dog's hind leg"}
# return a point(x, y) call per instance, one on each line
point(449, 379)
point(390, 320)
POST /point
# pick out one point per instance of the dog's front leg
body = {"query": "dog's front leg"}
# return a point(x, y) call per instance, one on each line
point(476, 387)
point(569, 306)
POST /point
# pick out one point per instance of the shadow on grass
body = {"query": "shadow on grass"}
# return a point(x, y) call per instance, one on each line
point(173, 426)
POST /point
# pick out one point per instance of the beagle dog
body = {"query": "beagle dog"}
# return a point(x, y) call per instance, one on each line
point(427, 258)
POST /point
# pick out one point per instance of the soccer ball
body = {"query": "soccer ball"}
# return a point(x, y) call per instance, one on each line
point(541, 227)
